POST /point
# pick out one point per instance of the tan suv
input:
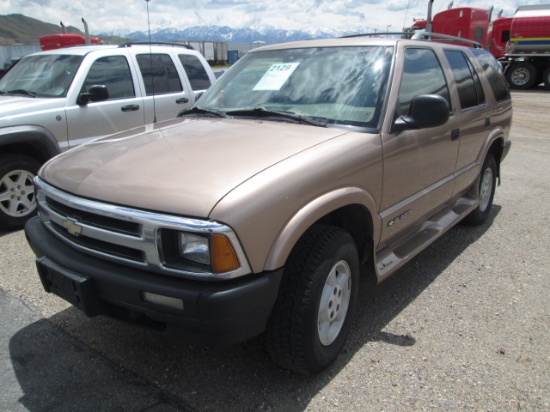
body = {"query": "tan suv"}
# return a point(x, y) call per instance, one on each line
point(255, 211)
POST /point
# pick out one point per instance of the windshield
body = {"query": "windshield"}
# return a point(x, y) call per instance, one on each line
point(41, 75)
point(336, 85)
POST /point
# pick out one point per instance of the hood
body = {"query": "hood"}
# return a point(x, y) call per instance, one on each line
point(14, 106)
point(183, 166)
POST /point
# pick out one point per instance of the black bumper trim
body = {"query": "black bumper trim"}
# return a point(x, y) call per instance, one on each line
point(223, 312)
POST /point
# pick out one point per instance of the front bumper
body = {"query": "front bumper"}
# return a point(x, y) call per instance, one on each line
point(223, 312)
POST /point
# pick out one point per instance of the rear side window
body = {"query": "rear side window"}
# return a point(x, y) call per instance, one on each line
point(113, 72)
point(493, 73)
point(159, 74)
point(468, 85)
point(195, 72)
point(422, 74)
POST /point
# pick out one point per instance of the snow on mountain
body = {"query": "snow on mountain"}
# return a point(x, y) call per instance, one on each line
point(266, 34)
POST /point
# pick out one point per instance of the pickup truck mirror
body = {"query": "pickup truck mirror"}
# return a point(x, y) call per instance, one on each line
point(427, 110)
point(95, 93)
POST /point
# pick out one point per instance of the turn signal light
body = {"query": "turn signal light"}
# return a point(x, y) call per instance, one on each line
point(224, 258)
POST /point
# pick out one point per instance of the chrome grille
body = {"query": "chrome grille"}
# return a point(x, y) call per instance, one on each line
point(122, 234)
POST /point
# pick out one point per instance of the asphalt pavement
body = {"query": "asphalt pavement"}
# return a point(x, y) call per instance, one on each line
point(462, 327)
point(43, 369)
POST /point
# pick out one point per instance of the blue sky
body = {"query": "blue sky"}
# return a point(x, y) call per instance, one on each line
point(113, 16)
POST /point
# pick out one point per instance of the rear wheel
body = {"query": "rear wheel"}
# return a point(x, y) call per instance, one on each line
point(546, 78)
point(17, 198)
point(522, 75)
point(486, 189)
point(311, 318)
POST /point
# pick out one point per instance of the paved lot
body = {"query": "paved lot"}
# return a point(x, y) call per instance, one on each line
point(465, 326)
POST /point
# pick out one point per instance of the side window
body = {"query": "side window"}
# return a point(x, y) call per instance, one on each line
point(478, 35)
point(422, 74)
point(505, 36)
point(159, 74)
point(468, 85)
point(113, 72)
point(493, 73)
point(195, 71)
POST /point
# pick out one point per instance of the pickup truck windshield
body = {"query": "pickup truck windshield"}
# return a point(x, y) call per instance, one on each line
point(334, 85)
point(41, 76)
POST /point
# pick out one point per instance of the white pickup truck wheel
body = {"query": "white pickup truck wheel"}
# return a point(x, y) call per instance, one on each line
point(17, 197)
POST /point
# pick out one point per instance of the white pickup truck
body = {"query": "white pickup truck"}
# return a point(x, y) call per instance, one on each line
point(55, 100)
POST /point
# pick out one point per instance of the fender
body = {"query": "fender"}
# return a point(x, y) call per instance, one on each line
point(36, 141)
point(311, 213)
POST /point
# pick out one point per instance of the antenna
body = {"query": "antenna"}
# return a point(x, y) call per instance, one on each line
point(151, 64)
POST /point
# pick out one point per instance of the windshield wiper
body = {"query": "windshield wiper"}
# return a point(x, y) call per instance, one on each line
point(263, 112)
point(200, 110)
point(22, 91)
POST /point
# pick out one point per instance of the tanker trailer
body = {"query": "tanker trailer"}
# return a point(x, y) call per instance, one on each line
point(527, 58)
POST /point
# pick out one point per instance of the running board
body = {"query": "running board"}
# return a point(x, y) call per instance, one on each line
point(403, 249)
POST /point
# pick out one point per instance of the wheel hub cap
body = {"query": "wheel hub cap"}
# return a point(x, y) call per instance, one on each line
point(334, 302)
point(485, 189)
point(17, 193)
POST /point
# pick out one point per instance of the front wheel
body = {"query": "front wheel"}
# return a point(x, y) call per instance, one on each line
point(486, 192)
point(311, 318)
point(17, 197)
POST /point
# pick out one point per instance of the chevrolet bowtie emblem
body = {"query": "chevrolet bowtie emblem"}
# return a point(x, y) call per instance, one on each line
point(72, 226)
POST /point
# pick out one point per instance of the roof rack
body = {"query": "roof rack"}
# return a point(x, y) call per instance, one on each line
point(160, 43)
point(426, 35)
point(420, 35)
point(375, 34)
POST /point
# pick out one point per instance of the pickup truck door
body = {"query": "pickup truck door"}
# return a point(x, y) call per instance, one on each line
point(419, 164)
point(121, 111)
point(166, 88)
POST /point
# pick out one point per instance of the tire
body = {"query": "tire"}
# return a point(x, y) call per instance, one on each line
point(486, 190)
point(546, 78)
point(522, 76)
point(311, 317)
point(17, 198)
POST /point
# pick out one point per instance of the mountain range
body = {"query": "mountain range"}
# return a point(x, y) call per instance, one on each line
point(20, 29)
point(232, 35)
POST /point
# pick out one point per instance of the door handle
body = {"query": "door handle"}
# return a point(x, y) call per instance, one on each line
point(182, 100)
point(455, 134)
point(130, 108)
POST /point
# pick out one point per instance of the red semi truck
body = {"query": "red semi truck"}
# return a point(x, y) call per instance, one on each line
point(58, 41)
point(521, 43)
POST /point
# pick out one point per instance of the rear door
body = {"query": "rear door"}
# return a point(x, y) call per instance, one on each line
point(475, 121)
point(199, 78)
point(121, 111)
point(166, 90)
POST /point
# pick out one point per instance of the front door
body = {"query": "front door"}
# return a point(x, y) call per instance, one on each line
point(419, 164)
point(121, 111)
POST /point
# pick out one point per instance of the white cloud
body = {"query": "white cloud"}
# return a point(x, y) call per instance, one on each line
point(113, 16)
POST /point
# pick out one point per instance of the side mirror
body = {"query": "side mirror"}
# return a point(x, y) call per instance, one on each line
point(95, 93)
point(427, 110)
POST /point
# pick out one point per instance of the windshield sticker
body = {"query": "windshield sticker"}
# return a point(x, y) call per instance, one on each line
point(276, 76)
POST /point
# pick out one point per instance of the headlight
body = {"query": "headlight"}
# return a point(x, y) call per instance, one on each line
point(195, 248)
point(198, 252)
